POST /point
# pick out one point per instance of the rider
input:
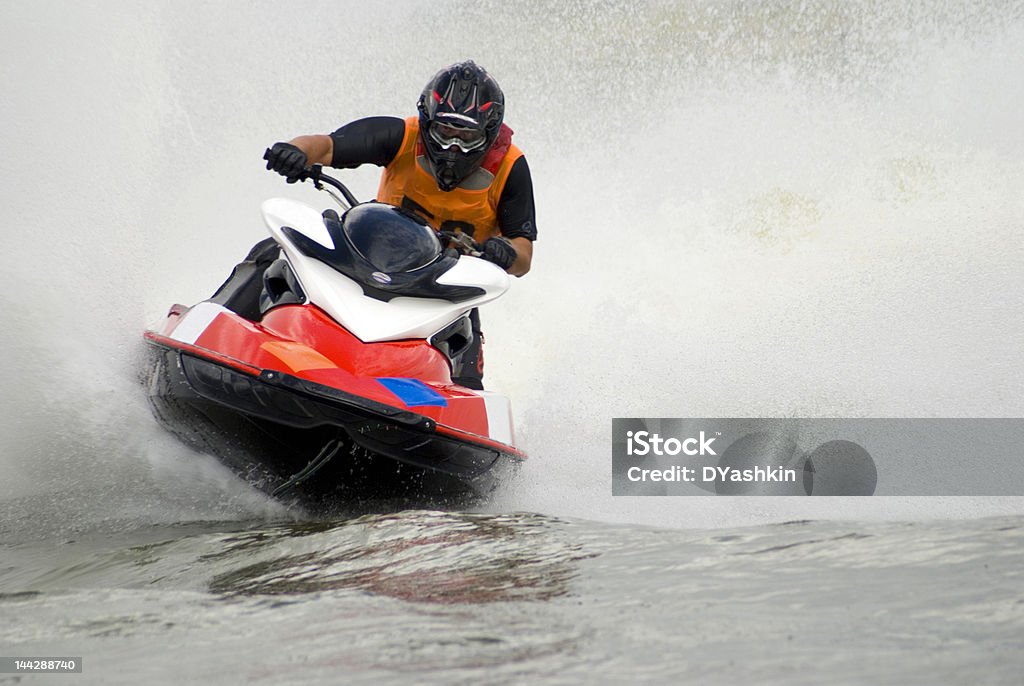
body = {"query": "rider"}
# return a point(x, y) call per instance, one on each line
point(454, 165)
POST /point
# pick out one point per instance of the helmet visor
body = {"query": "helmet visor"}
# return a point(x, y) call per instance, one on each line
point(447, 136)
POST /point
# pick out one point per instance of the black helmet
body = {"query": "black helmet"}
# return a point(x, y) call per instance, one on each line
point(461, 110)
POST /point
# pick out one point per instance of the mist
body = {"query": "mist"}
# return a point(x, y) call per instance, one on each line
point(743, 210)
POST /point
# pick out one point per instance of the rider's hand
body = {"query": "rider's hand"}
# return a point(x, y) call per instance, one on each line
point(287, 160)
point(499, 251)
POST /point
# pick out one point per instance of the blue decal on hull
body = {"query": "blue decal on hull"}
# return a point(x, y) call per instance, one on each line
point(414, 392)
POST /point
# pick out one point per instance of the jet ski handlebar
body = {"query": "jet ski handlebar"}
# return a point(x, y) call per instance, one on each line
point(315, 174)
point(461, 242)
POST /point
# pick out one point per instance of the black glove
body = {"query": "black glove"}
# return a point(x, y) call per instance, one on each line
point(287, 160)
point(499, 251)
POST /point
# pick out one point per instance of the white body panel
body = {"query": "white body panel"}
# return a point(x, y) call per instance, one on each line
point(194, 322)
point(499, 416)
point(369, 319)
point(278, 212)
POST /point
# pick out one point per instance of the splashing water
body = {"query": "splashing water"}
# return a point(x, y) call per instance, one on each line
point(761, 210)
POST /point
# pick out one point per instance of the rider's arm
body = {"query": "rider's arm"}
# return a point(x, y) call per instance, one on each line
point(524, 256)
point(517, 216)
point(318, 148)
point(373, 140)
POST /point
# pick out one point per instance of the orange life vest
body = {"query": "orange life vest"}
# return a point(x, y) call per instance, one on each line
point(407, 183)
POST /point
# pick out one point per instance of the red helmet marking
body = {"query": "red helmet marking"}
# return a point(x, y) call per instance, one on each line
point(437, 97)
point(486, 106)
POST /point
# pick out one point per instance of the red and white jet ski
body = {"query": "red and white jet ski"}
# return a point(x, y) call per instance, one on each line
point(338, 386)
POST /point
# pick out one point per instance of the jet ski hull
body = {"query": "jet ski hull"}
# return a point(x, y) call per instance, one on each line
point(270, 426)
point(316, 443)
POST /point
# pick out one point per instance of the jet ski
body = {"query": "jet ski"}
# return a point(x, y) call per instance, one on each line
point(325, 375)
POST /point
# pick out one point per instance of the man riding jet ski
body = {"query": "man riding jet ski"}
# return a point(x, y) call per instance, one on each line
point(454, 165)
point(341, 359)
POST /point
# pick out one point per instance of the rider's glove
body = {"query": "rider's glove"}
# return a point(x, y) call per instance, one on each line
point(287, 160)
point(499, 251)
